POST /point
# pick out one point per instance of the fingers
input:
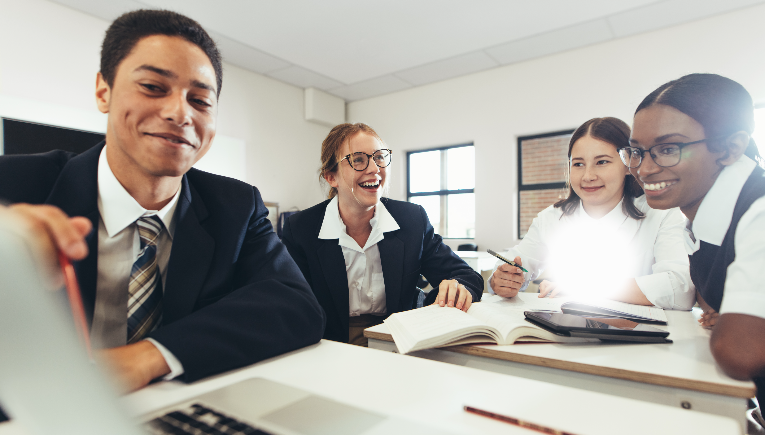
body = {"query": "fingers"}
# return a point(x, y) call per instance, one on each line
point(517, 260)
point(453, 294)
point(544, 288)
point(507, 280)
point(55, 230)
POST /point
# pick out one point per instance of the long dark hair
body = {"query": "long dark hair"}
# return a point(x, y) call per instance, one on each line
point(617, 133)
point(721, 105)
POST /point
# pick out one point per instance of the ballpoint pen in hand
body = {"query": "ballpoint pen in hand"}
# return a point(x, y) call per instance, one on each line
point(510, 262)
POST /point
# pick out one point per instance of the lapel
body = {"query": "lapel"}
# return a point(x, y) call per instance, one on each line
point(190, 258)
point(392, 259)
point(76, 193)
point(332, 264)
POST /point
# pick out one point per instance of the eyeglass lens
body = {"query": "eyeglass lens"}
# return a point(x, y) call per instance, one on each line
point(360, 161)
point(664, 155)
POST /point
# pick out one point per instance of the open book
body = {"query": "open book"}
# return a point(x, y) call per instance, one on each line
point(495, 320)
point(614, 309)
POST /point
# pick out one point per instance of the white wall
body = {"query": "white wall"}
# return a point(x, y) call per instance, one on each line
point(561, 91)
point(49, 57)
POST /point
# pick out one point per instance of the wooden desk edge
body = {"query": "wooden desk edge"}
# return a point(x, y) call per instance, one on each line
point(647, 378)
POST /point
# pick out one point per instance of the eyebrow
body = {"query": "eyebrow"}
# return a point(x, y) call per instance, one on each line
point(597, 157)
point(171, 75)
point(661, 139)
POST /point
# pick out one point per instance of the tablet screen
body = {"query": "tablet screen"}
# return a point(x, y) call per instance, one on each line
point(568, 322)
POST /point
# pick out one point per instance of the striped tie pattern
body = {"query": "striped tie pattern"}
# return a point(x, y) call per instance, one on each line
point(145, 288)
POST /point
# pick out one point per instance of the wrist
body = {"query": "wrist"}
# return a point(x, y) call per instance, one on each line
point(152, 362)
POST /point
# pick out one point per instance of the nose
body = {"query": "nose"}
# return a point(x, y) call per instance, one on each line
point(176, 109)
point(647, 167)
point(372, 167)
point(589, 173)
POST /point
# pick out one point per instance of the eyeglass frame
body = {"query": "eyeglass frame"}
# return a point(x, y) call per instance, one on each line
point(369, 158)
point(680, 146)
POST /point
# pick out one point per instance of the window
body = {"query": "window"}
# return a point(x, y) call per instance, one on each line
point(542, 165)
point(442, 181)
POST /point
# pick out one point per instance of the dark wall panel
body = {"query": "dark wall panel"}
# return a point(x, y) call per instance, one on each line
point(20, 137)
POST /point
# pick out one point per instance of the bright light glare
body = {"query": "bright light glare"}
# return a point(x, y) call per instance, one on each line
point(759, 129)
point(588, 261)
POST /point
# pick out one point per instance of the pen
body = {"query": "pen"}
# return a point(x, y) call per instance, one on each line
point(75, 301)
point(516, 421)
point(512, 263)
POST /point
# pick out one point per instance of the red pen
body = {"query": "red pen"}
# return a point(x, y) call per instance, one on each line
point(75, 301)
point(516, 421)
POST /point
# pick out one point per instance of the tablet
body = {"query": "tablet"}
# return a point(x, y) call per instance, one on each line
point(569, 325)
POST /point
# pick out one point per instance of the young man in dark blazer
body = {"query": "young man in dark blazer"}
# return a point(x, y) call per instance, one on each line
point(180, 270)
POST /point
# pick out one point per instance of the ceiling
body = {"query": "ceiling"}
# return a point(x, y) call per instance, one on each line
point(358, 49)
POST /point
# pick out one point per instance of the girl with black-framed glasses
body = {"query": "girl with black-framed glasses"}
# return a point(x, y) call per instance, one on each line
point(717, 182)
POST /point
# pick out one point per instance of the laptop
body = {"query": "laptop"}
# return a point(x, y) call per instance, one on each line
point(47, 384)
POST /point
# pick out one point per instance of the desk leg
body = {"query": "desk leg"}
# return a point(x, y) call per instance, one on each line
point(695, 401)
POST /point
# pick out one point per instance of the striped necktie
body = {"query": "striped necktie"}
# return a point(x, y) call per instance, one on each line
point(145, 288)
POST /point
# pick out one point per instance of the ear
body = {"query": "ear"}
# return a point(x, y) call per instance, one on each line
point(735, 145)
point(331, 178)
point(103, 93)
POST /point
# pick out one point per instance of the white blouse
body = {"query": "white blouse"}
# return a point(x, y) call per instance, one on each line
point(590, 256)
point(363, 266)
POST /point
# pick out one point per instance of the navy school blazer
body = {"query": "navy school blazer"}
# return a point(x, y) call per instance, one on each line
point(406, 253)
point(233, 295)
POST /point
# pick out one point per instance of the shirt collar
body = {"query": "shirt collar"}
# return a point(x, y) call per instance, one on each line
point(612, 220)
point(716, 210)
point(333, 227)
point(119, 210)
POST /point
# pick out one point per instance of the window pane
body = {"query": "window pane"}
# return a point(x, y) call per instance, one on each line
point(460, 167)
point(425, 172)
point(461, 212)
point(432, 206)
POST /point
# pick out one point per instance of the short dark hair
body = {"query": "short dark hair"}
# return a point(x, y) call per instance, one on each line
point(125, 32)
point(721, 105)
point(617, 133)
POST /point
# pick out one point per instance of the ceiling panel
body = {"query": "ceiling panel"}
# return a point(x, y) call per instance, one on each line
point(370, 88)
point(358, 49)
point(671, 12)
point(448, 68)
point(304, 78)
point(552, 42)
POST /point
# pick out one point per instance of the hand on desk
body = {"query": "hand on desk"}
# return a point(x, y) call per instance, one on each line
point(134, 365)
point(453, 294)
point(552, 288)
point(507, 279)
point(709, 318)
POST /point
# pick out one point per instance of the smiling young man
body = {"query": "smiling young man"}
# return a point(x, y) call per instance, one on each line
point(691, 148)
point(180, 271)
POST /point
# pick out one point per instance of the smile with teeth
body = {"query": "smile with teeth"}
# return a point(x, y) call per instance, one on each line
point(370, 183)
point(658, 186)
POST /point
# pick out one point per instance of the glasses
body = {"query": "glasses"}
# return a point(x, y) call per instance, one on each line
point(360, 161)
point(664, 154)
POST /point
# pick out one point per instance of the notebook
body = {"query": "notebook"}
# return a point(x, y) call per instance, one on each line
point(47, 384)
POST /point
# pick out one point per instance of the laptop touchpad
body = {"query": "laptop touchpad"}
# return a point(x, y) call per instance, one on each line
point(318, 416)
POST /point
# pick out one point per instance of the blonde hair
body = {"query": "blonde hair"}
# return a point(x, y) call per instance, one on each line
point(330, 148)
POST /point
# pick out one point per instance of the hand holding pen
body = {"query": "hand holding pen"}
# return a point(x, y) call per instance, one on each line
point(508, 278)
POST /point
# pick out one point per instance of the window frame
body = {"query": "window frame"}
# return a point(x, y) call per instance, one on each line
point(535, 186)
point(443, 193)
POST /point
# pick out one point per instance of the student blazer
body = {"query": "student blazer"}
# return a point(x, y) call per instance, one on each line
point(233, 296)
point(406, 253)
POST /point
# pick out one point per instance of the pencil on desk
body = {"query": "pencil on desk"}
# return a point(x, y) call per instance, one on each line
point(75, 301)
point(516, 421)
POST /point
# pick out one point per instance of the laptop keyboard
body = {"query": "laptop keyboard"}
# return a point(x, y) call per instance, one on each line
point(200, 420)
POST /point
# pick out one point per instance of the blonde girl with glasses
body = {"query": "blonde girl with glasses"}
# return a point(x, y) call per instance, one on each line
point(362, 253)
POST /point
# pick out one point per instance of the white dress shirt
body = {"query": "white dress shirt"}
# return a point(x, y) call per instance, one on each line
point(366, 287)
point(744, 290)
point(590, 256)
point(118, 247)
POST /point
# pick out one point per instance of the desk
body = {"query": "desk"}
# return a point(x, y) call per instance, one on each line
point(681, 374)
point(434, 393)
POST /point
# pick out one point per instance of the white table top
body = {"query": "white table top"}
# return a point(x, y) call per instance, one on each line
point(433, 392)
point(686, 363)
